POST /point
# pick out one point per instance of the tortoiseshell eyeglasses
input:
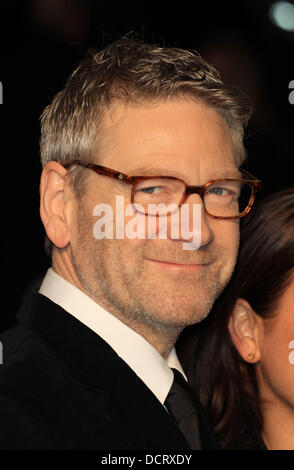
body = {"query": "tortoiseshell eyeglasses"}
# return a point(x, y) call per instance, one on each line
point(229, 198)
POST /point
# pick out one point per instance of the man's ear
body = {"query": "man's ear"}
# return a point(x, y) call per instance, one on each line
point(54, 198)
point(245, 327)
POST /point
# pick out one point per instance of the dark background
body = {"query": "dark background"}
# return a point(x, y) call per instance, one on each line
point(43, 40)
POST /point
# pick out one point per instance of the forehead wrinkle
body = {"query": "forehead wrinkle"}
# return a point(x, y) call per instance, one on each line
point(229, 174)
point(156, 171)
point(160, 141)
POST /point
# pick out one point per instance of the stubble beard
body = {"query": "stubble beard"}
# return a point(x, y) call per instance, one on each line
point(136, 299)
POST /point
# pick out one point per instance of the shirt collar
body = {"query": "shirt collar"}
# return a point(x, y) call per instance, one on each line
point(133, 348)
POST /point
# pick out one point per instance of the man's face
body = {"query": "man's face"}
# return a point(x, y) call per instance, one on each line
point(154, 282)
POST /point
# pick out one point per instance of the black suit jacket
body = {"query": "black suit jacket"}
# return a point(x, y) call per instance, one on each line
point(63, 387)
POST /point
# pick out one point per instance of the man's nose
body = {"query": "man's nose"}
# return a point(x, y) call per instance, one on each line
point(194, 224)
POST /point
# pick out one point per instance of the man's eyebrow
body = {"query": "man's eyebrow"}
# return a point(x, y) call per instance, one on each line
point(228, 174)
point(155, 171)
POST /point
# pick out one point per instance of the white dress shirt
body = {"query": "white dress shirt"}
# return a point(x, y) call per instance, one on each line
point(130, 346)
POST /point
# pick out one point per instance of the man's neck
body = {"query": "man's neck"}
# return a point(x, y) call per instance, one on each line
point(63, 267)
point(163, 343)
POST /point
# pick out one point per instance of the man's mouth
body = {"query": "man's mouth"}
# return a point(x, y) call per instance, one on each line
point(179, 265)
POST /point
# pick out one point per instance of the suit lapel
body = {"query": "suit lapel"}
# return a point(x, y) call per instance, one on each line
point(93, 363)
point(143, 417)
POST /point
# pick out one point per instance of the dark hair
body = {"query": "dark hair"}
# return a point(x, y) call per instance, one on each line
point(226, 383)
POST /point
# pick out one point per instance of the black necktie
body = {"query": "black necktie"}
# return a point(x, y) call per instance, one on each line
point(182, 408)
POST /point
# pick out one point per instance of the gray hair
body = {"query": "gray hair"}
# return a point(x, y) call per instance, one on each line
point(133, 72)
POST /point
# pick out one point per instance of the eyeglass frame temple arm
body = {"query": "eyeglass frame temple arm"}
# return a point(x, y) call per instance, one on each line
point(130, 179)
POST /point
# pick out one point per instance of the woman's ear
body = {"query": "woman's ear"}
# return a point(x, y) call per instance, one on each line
point(245, 329)
point(53, 203)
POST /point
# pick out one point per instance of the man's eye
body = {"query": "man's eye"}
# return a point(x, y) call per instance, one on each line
point(219, 191)
point(151, 190)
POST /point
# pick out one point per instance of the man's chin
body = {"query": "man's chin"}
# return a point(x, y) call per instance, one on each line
point(177, 316)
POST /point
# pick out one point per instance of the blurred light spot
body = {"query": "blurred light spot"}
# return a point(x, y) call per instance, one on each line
point(282, 15)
